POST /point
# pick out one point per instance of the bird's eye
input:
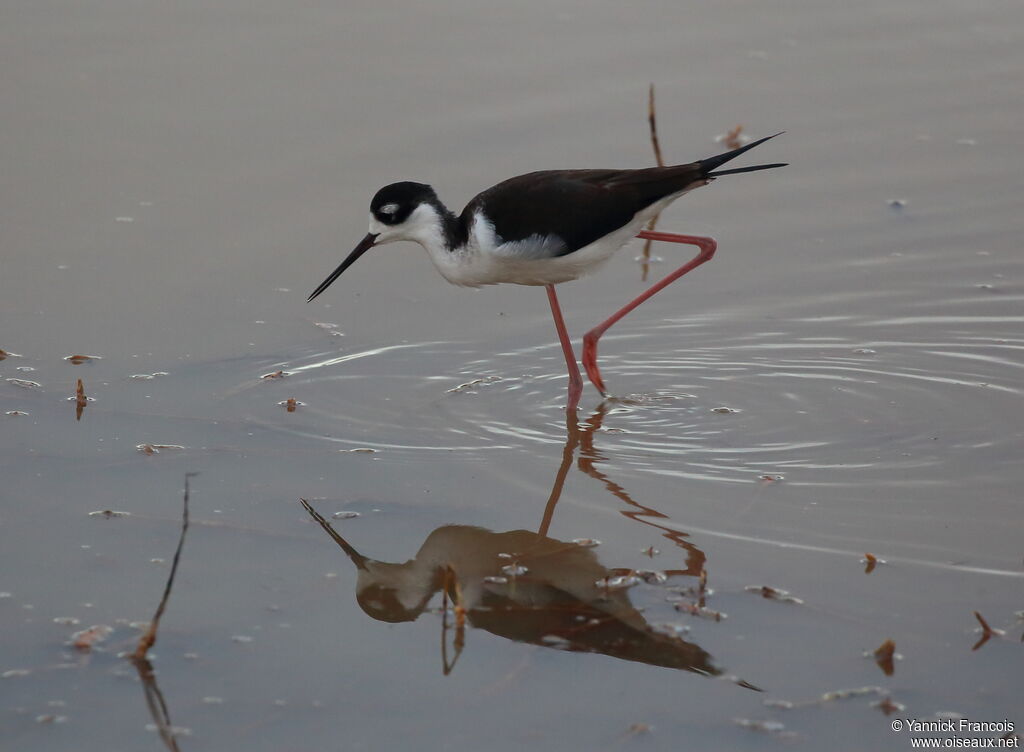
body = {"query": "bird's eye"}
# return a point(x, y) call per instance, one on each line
point(388, 209)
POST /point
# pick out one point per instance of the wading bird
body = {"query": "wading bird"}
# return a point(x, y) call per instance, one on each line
point(544, 228)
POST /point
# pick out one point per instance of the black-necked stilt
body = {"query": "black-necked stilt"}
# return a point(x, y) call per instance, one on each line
point(543, 228)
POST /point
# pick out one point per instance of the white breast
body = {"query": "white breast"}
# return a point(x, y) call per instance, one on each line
point(486, 260)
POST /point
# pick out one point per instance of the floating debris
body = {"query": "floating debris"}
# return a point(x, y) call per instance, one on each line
point(652, 576)
point(671, 629)
point(987, 632)
point(870, 561)
point(66, 621)
point(514, 570)
point(275, 375)
point(766, 726)
point(86, 639)
point(470, 385)
point(888, 706)
point(885, 655)
point(48, 718)
point(15, 412)
point(768, 478)
point(586, 542)
point(25, 383)
point(651, 552)
point(108, 514)
point(618, 582)
point(494, 579)
point(724, 410)
point(700, 611)
point(345, 515)
point(772, 728)
point(773, 594)
point(173, 731)
point(151, 449)
point(360, 450)
point(845, 694)
point(733, 138)
point(290, 404)
point(147, 376)
point(15, 673)
point(80, 400)
point(77, 360)
point(896, 204)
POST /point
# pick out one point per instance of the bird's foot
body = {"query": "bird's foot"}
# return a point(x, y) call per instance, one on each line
point(590, 361)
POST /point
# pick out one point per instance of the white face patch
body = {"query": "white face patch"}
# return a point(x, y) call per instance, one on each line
point(422, 226)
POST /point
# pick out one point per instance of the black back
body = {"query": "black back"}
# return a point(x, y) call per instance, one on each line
point(577, 206)
point(581, 206)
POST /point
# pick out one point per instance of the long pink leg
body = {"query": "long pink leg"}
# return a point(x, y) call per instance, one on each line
point(575, 379)
point(707, 250)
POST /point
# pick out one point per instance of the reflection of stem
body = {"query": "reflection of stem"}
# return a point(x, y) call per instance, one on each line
point(652, 121)
point(155, 702)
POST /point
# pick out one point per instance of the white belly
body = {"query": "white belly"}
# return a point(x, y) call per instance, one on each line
point(485, 261)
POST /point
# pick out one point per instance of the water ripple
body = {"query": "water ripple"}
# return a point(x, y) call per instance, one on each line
point(713, 397)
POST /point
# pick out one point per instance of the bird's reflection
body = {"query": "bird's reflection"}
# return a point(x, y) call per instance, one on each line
point(530, 587)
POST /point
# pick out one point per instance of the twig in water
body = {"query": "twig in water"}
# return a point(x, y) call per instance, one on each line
point(986, 631)
point(80, 400)
point(149, 636)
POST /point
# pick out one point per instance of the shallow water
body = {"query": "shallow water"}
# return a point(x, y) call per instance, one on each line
point(844, 378)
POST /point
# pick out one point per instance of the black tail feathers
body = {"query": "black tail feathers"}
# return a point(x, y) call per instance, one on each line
point(709, 164)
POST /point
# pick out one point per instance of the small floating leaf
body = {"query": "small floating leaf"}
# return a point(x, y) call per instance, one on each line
point(77, 360)
point(884, 656)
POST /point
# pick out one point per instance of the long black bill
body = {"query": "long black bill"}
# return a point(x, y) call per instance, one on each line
point(364, 245)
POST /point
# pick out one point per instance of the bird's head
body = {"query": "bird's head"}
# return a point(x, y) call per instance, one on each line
point(400, 211)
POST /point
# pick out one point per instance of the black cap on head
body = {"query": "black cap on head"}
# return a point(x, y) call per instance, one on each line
point(394, 203)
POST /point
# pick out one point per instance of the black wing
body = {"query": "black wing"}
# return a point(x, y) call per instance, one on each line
point(577, 206)
point(580, 206)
